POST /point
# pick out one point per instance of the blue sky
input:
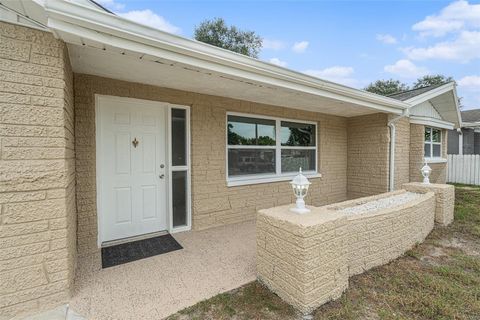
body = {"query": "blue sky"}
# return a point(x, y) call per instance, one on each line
point(350, 42)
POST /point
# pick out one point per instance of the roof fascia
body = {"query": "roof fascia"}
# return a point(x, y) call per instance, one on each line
point(432, 122)
point(430, 94)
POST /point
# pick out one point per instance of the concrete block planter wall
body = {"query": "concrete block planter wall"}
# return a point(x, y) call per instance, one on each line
point(307, 259)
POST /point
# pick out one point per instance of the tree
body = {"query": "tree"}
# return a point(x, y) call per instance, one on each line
point(431, 80)
point(386, 87)
point(217, 33)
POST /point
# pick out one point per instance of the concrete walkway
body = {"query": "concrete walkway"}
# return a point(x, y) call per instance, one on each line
point(212, 261)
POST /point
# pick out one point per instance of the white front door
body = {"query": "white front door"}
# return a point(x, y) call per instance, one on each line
point(132, 167)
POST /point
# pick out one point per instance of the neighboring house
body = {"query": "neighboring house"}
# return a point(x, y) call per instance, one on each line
point(466, 140)
point(111, 129)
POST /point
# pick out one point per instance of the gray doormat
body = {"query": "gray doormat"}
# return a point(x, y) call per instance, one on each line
point(136, 250)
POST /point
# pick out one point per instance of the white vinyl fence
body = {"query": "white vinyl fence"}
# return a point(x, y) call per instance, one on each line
point(464, 168)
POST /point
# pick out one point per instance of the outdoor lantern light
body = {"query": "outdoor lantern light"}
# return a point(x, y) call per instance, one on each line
point(300, 186)
point(426, 173)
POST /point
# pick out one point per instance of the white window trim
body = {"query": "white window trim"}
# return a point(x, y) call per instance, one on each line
point(433, 159)
point(278, 175)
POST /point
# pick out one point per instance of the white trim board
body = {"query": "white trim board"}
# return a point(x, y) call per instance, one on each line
point(432, 122)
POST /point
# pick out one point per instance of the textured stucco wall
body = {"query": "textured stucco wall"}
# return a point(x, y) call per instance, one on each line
point(307, 259)
point(439, 170)
point(368, 153)
point(213, 202)
point(37, 190)
point(402, 152)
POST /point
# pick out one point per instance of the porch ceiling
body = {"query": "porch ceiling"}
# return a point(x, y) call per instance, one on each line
point(107, 61)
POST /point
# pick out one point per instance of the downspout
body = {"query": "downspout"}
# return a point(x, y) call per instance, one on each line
point(391, 125)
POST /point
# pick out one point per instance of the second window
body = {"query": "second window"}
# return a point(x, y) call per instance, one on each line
point(259, 147)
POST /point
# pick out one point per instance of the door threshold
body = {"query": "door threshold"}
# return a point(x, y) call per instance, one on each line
point(134, 238)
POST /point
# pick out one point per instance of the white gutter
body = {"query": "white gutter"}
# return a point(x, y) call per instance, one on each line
point(75, 17)
point(391, 125)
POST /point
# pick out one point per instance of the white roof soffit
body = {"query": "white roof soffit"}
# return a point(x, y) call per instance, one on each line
point(444, 99)
point(78, 24)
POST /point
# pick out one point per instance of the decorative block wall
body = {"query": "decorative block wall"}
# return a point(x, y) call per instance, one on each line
point(444, 199)
point(307, 259)
point(37, 171)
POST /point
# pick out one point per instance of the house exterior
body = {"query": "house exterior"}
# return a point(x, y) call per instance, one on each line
point(113, 130)
point(466, 140)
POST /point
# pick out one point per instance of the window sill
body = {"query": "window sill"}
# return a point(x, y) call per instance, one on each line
point(249, 181)
point(435, 160)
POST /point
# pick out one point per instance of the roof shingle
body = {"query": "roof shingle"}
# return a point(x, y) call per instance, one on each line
point(408, 94)
point(471, 115)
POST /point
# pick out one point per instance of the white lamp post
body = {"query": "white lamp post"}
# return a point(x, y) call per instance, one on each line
point(300, 186)
point(426, 170)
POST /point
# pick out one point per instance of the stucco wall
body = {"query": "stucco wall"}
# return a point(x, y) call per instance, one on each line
point(213, 202)
point(439, 170)
point(402, 152)
point(307, 259)
point(368, 152)
point(37, 190)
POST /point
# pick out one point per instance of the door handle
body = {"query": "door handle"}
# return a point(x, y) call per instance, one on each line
point(161, 176)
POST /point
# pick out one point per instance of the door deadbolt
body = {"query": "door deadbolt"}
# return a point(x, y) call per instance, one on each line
point(162, 166)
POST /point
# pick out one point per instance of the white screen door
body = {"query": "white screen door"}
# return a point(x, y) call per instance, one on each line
point(132, 167)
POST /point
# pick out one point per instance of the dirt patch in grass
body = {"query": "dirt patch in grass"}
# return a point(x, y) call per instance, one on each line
point(439, 279)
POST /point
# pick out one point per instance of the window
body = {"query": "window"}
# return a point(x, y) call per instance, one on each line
point(433, 143)
point(179, 165)
point(265, 148)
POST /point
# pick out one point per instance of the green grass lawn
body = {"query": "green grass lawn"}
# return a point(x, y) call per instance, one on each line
point(438, 279)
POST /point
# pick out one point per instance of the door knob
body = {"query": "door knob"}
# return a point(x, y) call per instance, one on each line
point(161, 176)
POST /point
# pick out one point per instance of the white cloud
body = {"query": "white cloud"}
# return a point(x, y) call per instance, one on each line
point(278, 62)
point(469, 91)
point(465, 48)
point(406, 69)
point(111, 4)
point(386, 38)
point(151, 19)
point(470, 83)
point(339, 74)
point(455, 17)
point(273, 44)
point(300, 47)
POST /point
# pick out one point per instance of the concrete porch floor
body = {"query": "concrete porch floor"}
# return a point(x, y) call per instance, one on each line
point(212, 261)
